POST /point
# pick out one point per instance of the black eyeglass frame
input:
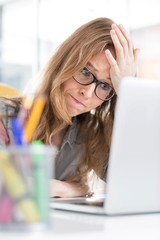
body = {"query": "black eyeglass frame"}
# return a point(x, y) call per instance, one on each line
point(95, 80)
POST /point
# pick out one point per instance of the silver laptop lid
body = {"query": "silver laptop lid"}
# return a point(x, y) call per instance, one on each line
point(133, 184)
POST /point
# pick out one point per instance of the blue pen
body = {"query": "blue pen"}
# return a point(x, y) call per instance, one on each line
point(17, 131)
point(19, 155)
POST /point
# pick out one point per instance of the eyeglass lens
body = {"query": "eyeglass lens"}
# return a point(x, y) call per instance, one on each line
point(102, 90)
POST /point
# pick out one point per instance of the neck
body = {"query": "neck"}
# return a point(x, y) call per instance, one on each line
point(58, 138)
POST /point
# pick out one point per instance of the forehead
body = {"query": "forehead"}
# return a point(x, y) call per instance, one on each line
point(101, 57)
point(99, 63)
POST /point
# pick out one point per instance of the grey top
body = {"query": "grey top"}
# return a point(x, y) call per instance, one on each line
point(6, 110)
point(67, 156)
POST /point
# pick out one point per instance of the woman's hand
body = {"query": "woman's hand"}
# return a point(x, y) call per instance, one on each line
point(66, 189)
point(125, 63)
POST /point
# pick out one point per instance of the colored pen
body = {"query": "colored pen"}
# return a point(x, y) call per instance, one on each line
point(17, 129)
point(23, 113)
point(34, 118)
point(6, 208)
point(19, 122)
point(40, 179)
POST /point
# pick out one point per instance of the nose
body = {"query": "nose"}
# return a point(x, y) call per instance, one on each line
point(88, 90)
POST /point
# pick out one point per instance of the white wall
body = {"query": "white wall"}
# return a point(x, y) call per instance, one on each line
point(32, 29)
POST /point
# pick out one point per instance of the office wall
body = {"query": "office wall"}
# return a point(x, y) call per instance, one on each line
point(148, 40)
point(30, 31)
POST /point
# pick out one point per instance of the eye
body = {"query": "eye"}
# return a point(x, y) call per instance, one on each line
point(86, 73)
point(105, 87)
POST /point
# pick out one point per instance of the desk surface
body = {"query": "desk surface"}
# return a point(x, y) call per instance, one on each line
point(77, 226)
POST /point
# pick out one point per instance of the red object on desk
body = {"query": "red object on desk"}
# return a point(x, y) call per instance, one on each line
point(6, 209)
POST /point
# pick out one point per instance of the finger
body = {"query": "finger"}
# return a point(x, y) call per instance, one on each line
point(136, 54)
point(114, 71)
point(127, 36)
point(110, 58)
point(112, 62)
point(117, 45)
point(124, 40)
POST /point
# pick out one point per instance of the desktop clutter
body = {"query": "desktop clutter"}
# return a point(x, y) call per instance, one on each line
point(24, 174)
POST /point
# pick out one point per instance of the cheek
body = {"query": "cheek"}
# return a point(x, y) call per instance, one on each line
point(67, 85)
point(64, 86)
point(96, 103)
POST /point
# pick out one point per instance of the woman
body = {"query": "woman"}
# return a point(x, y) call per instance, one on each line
point(81, 85)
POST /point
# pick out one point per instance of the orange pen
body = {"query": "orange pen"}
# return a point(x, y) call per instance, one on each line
point(34, 118)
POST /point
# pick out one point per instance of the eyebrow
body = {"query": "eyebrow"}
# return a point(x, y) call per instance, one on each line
point(95, 70)
point(90, 65)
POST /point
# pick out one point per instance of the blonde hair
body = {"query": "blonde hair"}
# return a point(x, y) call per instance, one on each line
point(72, 55)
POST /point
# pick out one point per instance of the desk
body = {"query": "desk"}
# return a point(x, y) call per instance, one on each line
point(77, 226)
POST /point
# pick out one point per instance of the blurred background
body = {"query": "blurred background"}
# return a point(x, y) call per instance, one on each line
point(30, 31)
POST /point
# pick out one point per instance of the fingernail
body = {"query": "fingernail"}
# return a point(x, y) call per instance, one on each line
point(112, 31)
point(114, 26)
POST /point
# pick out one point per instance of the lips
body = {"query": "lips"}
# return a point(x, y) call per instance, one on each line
point(77, 101)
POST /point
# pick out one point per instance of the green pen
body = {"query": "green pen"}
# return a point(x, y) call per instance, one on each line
point(40, 179)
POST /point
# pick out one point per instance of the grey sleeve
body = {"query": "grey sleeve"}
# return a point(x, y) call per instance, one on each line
point(6, 110)
point(104, 175)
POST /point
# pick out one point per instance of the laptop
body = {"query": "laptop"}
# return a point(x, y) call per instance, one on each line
point(133, 179)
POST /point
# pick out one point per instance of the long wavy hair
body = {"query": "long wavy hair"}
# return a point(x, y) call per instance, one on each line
point(72, 55)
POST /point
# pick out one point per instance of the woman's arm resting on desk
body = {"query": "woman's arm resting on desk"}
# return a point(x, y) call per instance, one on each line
point(66, 189)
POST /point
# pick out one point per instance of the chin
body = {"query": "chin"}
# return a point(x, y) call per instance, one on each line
point(74, 114)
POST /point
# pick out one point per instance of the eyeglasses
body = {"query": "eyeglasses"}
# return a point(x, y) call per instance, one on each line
point(102, 90)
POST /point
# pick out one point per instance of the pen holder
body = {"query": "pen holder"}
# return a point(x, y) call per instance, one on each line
point(24, 174)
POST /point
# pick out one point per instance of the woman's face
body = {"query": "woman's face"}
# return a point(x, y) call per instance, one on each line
point(79, 98)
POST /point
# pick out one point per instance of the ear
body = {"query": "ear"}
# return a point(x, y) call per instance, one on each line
point(4, 138)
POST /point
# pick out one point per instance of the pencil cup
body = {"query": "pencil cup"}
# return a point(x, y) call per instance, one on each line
point(24, 197)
